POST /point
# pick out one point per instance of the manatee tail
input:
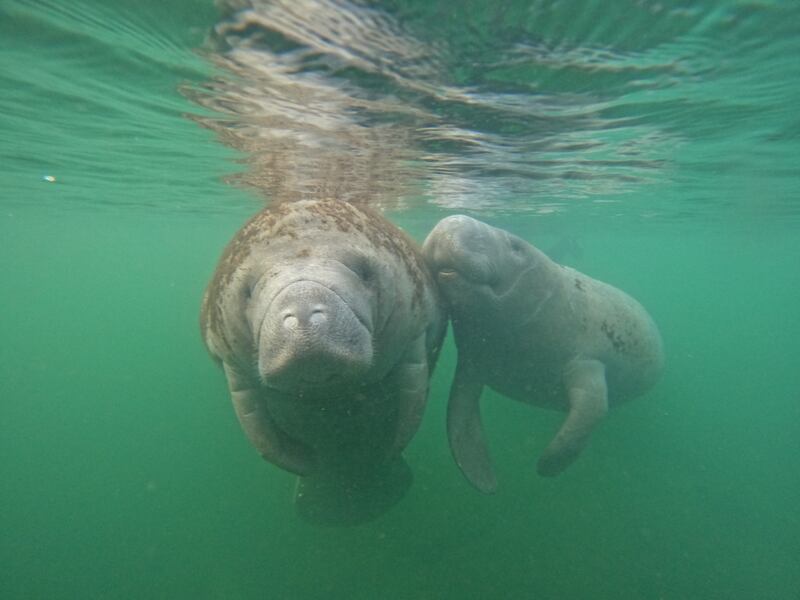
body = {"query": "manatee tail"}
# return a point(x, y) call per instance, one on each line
point(352, 500)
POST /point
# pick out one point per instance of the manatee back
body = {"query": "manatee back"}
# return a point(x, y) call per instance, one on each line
point(617, 330)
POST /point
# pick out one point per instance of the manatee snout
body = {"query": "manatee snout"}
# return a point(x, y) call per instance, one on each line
point(467, 259)
point(459, 246)
point(311, 336)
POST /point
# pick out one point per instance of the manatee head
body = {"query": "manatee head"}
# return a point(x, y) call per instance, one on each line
point(477, 265)
point(312, 322)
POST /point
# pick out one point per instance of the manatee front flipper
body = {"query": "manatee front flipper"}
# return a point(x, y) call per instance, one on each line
point(409, 382)
point(271, 442)
point(464, 429)
point(585, 383)
point(331, 499)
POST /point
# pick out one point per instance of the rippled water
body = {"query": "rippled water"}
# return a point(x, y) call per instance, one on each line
point(518, 106)
point(656, 141)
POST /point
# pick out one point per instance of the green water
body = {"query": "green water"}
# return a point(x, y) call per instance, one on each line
point(662, 137)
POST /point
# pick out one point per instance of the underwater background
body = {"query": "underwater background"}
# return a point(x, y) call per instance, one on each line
point(652, 145)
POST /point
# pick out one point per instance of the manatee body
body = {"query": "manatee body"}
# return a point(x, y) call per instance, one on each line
point(327, 324)
point(536, 332)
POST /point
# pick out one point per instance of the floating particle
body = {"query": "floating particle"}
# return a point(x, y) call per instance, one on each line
point(49, 179)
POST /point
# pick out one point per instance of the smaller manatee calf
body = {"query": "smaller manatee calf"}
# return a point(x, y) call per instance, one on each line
point(537, 332)
point(327, 324)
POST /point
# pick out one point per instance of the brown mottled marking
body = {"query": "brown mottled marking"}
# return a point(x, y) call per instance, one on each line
point(381, 233)
point(615, 338)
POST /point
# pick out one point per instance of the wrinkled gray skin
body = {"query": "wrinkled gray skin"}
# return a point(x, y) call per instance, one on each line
point(327, 324)
point(537, 332)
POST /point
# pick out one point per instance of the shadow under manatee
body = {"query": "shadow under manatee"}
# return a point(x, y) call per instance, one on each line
point(358, 499)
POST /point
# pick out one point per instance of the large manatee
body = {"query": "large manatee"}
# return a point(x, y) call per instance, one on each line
point(536, 332)
point(327, 324)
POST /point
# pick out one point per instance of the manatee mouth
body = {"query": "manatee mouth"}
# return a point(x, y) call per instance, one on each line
point(461, 249)
point(472, 272)
point(300, 384)
point(458, 259)
point(480, 285)
point(312, 379)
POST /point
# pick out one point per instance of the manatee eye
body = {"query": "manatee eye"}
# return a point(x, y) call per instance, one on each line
point(363, 269)
point(516, 245)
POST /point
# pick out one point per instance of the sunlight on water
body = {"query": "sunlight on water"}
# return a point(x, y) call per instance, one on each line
point(520, 108)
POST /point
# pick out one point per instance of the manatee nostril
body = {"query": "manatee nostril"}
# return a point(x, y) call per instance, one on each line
point(317, 315)
point(304, 316)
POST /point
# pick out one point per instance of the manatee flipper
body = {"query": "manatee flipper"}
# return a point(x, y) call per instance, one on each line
point(326, 499)
point(464, 429)
point(585, 382)
point(409, 382)
point(262, 432)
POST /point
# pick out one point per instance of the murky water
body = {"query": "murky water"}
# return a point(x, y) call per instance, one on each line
point(654, 143)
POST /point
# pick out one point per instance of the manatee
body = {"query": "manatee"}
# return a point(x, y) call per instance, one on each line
point(537, 332)
point(327, 324)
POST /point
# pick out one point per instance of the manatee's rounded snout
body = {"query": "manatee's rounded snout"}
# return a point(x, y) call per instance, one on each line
point(311, 336)
point(457, 248)
point(300, 316)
